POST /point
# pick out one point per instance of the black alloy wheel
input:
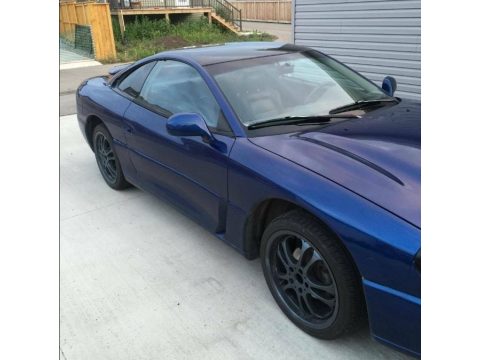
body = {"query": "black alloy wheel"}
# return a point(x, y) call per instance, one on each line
point(107, 159)
point(311, 277)
point(303, 279)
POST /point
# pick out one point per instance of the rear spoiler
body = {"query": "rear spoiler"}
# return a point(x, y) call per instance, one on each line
point(114, 70)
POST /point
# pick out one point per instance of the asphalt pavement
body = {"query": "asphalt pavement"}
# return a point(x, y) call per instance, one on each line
point(283, 32)
point(70, 79)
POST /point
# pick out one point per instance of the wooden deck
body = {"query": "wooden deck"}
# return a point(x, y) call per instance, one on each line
point(209, 12)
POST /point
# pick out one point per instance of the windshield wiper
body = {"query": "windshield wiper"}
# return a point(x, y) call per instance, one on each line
point(298, 120)
point(360, 104)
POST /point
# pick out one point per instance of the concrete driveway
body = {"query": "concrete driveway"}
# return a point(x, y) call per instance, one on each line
point(138, 280)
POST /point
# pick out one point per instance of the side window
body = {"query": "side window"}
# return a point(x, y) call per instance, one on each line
point(132, 83)
point(174, 87)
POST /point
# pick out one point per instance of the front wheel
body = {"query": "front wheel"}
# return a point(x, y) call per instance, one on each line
point(310, 276)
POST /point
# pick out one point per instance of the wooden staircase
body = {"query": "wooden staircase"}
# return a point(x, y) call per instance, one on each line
point(224, 23)
point(225, 14)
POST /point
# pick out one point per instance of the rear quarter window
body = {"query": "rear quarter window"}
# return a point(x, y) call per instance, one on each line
point(132, 83)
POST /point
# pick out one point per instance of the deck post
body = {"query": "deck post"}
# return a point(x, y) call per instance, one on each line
point(121, 22)
point(167, 18)
point(209, 14)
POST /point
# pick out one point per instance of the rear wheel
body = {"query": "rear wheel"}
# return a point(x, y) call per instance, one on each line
point(107, 159)
point(310, 276)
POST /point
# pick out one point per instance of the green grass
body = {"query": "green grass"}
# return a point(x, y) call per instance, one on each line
point(144, 36)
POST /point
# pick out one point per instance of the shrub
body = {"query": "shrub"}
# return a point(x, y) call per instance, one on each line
point(144, 36)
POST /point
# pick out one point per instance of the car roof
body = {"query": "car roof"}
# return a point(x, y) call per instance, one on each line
point(213, 54)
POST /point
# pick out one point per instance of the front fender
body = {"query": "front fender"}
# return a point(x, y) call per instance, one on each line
point(382, 245)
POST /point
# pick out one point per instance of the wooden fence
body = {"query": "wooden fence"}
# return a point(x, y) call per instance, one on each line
point(268, 10)
point(98, 17)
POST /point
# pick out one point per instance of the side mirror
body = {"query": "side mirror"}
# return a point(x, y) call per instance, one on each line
point(189, 124)
point(389, 85)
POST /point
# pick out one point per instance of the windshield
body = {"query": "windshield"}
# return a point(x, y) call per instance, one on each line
point(293, 84)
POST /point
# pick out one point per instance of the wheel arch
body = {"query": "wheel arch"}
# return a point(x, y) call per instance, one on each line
point(90, 124)
point(267, 210)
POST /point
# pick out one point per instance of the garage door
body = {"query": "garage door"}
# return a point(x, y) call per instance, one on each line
point(375, 37)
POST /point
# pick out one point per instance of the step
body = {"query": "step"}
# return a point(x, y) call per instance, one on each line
point(224, 23)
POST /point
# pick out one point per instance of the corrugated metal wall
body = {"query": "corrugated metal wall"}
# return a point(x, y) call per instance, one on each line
point(375, 37)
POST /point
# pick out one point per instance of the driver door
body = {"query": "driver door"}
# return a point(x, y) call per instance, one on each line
point(186, 170)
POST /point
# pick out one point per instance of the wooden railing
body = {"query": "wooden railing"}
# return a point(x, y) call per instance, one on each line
point(95, 15)
point(265, 10)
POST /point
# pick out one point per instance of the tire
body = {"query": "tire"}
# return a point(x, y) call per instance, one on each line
point(311, 277)
point(107, 159)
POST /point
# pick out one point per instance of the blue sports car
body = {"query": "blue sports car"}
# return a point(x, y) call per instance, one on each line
point(285, 154)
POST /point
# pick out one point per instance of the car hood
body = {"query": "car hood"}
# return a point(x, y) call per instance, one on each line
point(376, 156)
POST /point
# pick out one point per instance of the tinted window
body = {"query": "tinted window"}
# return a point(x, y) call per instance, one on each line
point(132, 84)
point(173, 87)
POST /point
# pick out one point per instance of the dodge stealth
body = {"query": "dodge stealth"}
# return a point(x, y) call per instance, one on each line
point(285, 154)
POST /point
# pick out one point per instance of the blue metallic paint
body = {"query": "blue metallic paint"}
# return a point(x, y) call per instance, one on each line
point(189, 124)
point(347, 179)
point(394, 307)
point(379, 151)
point(164, 161)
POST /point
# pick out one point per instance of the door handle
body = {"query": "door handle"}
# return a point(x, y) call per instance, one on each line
point(129, 129)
